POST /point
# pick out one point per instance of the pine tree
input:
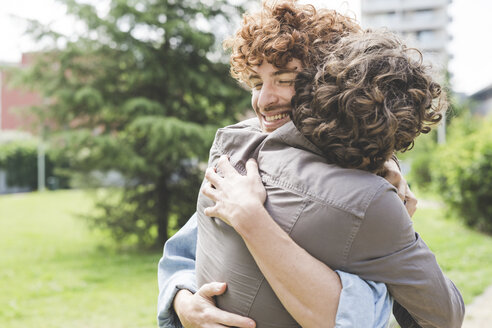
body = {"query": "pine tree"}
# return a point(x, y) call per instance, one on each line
point(139, 93)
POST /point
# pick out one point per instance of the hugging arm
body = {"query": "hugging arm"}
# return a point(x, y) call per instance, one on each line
point(314, 295)
point(386, 249)
point(180, 304)
point(176, 277)
point(178, 308)
point(397, 256)
point(176, 271)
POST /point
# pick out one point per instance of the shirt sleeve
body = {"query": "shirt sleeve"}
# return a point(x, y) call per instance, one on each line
point(176, 271)
point(387, 249)
point(362, 303)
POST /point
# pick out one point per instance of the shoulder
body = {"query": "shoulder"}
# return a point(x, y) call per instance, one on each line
point(251, 124)
point(309, 175)
point(238, 141)
point(387, 221)
point(238, 131)
point(351, 189)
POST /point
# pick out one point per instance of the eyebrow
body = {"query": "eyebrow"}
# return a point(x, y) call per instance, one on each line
point(277, 73)
point(285, 71)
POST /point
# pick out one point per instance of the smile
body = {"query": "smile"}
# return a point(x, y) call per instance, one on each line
point(276, 117)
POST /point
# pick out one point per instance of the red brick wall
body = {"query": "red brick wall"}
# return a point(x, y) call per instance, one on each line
point(14, 98)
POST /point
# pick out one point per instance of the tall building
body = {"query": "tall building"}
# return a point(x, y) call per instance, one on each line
point(421, 23)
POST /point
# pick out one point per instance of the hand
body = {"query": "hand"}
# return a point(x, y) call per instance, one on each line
point(236, 196)
point(199, 310)
point(393, 175)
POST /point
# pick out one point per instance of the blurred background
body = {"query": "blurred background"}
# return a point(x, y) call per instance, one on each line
point(107, 112)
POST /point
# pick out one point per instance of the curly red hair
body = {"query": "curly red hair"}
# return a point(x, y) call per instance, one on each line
point(368, 98)
point(281, 31)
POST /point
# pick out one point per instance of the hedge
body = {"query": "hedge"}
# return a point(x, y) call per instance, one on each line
point(19, 160)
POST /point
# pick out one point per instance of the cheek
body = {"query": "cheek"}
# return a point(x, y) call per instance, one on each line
point(254, 99)
point(290, 93)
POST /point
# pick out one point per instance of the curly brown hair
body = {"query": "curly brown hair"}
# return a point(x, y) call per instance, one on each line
point(281, 31)
point(368, 98)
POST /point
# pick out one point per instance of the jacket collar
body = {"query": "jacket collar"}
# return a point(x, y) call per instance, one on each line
point(290, 135)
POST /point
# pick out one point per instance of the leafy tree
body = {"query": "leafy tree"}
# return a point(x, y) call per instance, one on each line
point(139, 93)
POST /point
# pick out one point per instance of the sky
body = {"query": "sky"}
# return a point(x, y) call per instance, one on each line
point(471, 45)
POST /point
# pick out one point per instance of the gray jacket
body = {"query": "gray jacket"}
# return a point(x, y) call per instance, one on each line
point(349, 219)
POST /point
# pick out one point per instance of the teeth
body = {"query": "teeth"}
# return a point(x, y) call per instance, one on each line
point(275, 117)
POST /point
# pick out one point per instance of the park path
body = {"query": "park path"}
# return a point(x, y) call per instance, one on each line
point(479, 313)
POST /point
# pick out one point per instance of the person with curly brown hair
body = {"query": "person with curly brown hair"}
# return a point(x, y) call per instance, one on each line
point(303, 192)
point(370, 97)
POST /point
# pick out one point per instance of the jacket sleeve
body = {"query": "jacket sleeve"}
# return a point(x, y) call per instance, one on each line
point(176, 270)
point(387, 249)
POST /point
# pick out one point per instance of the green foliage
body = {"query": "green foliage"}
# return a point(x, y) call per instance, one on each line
point(460, 170)
point(138, 93)
point(463, 173)
point(423, 156)
point(66, 274)
point(19, 160)
point(420, 173)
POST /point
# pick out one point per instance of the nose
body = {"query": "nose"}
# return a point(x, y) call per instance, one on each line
point(267, 96)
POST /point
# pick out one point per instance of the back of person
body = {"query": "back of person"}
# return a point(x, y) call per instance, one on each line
point(318, 204)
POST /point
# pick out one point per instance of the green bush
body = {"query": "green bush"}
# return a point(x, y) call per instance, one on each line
point(459, 124)
point(476, 192)
point(462, 171)
point(420, 158)
point(19, 160)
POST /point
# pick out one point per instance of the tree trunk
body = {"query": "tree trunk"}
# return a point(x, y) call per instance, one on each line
point(162, 206)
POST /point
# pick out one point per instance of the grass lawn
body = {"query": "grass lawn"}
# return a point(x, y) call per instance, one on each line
point(54, 272)
point(464, 254)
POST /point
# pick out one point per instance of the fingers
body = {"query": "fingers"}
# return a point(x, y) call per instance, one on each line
point(252, 169)
point(212, 289)
point(212, 212)
point(215, 317)
point(225, 166)
point(234, 320)
point(209, 191)
point(228, 319)
point(213, 177)
point(410, 202)
point(393, 175)
point(212, 193)
point(392, 172)
point(402, 187)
